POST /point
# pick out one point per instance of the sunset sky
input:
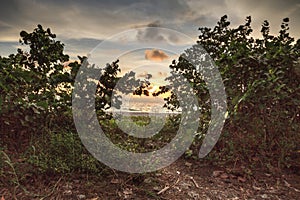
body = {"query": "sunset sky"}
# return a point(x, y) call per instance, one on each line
point(82, 25)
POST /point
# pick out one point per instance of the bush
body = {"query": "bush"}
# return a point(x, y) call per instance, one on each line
point(262, 82)
point(62, 153)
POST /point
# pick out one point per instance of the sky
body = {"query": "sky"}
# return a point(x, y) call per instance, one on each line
point(82, 25)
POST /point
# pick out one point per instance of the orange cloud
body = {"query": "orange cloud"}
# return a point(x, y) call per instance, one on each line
point(155, 55)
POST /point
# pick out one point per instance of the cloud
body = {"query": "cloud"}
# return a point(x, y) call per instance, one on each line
point(100, 19)
point(156, 23)
point(156, 55)
point(7, 48)
point(151, 33)
point(145, 75)
point(272, 10)
point(162, 74)
point(80, 46)
point(93, 18)
point(154, 33)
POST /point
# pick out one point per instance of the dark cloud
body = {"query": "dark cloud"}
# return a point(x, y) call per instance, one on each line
point(155, 55)
point(153, 33)
point(101, 19)
point(165, 10)
point(150, 34)
point(9, 10)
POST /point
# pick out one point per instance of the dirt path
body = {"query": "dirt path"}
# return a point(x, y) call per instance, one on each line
point(182, 180)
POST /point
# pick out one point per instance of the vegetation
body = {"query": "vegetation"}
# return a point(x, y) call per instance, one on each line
point(262, 82)
point(261, 78)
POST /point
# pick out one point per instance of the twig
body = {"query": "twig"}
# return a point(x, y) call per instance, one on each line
point(52, 191)
point(235, 162)
point(289, 186)
point(168, 187)
point(195, 183)
point(163, 190)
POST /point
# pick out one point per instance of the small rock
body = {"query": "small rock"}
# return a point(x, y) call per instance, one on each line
point(148, 180)
point(81, 196)
point(264, 196)
point(127, 191)
point(67, 192)
point(158, 174)
point(156, 188)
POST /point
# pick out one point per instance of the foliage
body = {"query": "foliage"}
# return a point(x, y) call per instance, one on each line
point(7, 160)
point(35, 102)
point(35, 86)
point(261, 78)
point(262, 82)
point(62, 153)
point(134, 144)
point(107, 87)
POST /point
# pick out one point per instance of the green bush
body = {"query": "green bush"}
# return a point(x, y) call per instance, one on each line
point(262, 82)
point(62, 153)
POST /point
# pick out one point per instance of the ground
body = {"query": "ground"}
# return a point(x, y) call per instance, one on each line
point(185, 179)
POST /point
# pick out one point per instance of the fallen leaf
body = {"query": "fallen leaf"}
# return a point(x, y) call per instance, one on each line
point(68, 192)
point(255, 159)
point(268, 175)
point(232, 176)
point(128, 191)
point(20, 160)
point(256, 188)
point(217, 173)
point(115, 181)
point(224, 176)
point(188, 164)
point(241, 179)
